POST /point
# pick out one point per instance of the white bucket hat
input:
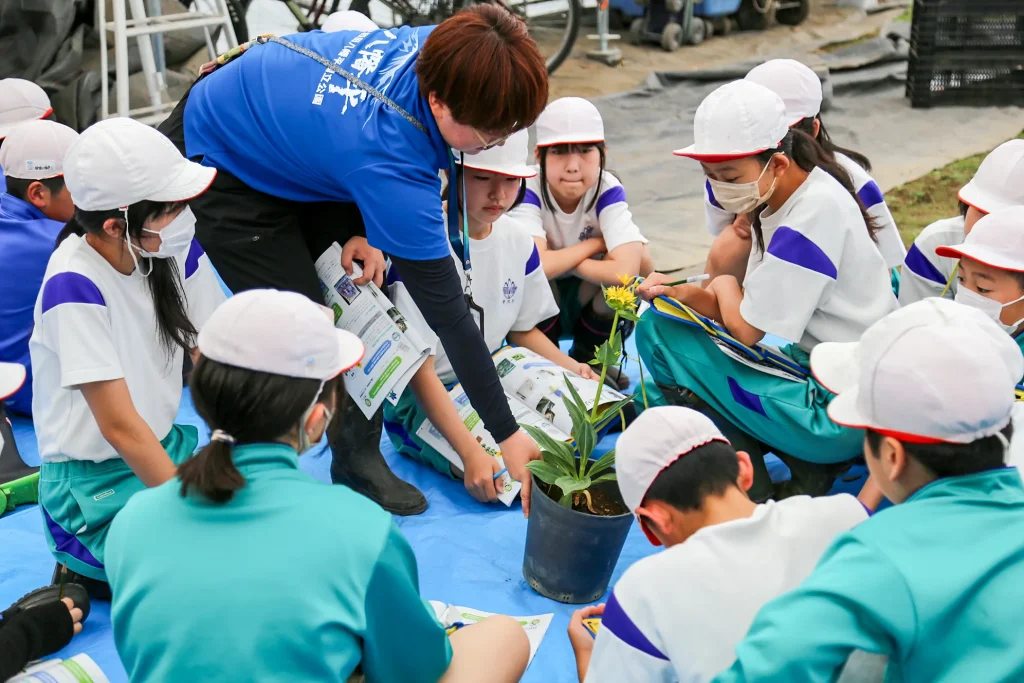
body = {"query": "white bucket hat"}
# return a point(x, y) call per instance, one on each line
point(348, 20)
point(932, 372)
point(996, 240)
point(21, 101)
point(999, 182)
point(797, 85)
point(738, 120)
point(569, 120)
point(508, 159)
point(282, 333)
point(36, 149)
point(119, 162)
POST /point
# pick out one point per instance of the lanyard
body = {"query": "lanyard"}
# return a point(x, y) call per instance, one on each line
point(454, 210)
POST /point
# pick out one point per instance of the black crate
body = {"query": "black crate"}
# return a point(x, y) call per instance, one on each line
point(967, 24)
point(968, 79)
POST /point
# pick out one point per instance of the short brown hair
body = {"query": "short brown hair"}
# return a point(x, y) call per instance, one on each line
point(483, 64)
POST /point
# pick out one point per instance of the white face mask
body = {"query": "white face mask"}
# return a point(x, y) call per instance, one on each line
point(176, 236)
point(741, 197)
point(989, 307)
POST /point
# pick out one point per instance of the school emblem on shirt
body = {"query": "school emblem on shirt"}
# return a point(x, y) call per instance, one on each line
point(509, 290)
point(586, 233)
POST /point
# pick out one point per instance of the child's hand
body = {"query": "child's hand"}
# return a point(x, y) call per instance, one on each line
point(654, 286)
point(581, 639)
point(586, 371)
point(480, 481)
point(76, 614)
point(741, 226)
point(597, 245)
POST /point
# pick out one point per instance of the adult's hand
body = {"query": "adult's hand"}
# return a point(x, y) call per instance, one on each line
point(516, 451)
point(358, 248)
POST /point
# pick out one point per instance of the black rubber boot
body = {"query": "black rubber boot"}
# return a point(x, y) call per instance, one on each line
point(808, 478)
point(97, 590)
point(356, 462)
point(762, 488)
point(11, 465)
point(592, 330)
point(41, 596)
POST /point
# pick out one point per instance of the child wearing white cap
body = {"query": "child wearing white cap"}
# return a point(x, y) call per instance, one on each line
point(678, 615)
point(816, 275)
point(998, 184)
point(348, 20)
point(510, 296)
point(579, 218)
point(242, 523)
point(20, 101)
point(33, 211)
point(933, 582)
point(122, 298)
point(800, 90)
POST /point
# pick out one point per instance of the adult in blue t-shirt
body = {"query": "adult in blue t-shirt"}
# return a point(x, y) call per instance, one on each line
point(306, 158)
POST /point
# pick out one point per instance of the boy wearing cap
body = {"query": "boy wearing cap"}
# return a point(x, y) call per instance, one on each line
point(123, 296)
point(929, 583)
point(998, 184)
point(33, 211)
point(20, 101)
point(510, 296)
point(678, 614)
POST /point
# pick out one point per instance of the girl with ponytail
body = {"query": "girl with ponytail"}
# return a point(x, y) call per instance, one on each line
point(280, 575)
point(814, 275)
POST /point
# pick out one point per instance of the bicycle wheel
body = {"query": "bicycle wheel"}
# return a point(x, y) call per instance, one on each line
point(553, 24)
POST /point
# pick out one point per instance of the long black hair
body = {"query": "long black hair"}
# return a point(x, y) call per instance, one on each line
point(576, 148)
point(164, 280)
point(251, 407)
point(806, 125)
point(806, 153)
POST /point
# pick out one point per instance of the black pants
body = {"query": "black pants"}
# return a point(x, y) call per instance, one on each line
point(255, 240)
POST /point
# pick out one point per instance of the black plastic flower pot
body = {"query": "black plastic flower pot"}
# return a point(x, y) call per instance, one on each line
point(570, 556)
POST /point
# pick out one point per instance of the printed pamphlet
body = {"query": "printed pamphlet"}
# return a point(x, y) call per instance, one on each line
point(535, 626)
point(77, 669)
point(394, 351)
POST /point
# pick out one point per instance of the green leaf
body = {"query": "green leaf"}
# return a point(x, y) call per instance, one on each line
point(566, 501)
point(608, 477)
point(570, 485)
point(576, 398)
point(611, 412)
point(582, 431)
point(545, 471)
point(594, 361)
point(603, 463)
point(629, 315)
point(557, 453)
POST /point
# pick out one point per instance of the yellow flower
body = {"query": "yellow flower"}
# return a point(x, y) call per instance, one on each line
point(626, 280)
point(620, 298)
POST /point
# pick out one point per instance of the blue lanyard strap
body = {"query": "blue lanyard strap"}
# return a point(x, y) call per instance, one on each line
point(454, 211)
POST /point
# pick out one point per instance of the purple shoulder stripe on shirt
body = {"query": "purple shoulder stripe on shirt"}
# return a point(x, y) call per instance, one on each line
point(192, 260)
point(919, 265)
point(711, 195)
point(70, 288)
point(793, 247)
point(870, 194)
point(392, 276)
point(867, 509)
point(618, 622)
point(530, 197)
point(533, 263)
point(613, 195)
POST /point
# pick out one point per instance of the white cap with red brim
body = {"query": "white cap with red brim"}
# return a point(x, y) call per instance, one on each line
point(997, 240)
point(508, 159)
point(738, 120)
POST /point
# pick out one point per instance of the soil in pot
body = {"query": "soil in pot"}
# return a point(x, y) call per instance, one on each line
point(601, 503)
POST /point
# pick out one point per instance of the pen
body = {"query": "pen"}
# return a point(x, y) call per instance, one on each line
point(688, 281)
point(500, 472)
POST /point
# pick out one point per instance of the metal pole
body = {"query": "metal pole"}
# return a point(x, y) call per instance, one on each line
point(612, 56)
point(101, 24)
point(121, 57)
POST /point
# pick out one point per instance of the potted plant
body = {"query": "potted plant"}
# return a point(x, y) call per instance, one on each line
point(578, 522)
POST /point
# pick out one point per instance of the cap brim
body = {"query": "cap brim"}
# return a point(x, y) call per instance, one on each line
point(569, 140)
point(843, 411)
point(191, 181)
point(6, 129)
point(12, 376)
point(983, 201)
point(835, 366)
point(350, 351)
point(520, 171)
point(690, 153)
point(982, 255)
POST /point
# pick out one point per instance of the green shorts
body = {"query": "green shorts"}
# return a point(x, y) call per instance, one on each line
point(79, 499)
point(400, 424)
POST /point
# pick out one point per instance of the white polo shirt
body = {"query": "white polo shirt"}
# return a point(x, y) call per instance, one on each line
point(508, 284)
point(925, 273)
point(609, 217)
point(93, 324)
point(890, 244)
point(677, 615)
point(821, 277)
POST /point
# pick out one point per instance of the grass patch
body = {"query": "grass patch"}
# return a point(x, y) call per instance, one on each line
point(932, 196)
point(908, 15)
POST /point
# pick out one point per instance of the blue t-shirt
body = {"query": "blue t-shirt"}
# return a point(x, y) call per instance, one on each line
point(26, 242)
point(287, 126)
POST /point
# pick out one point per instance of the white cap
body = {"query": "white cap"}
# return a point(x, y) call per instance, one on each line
point(738, 120)
point(655, 440)
point(12, 376)
point(36, 150)
point(21, 101)
point(569, 120)
point(283, 333)
point(797, 85)
point(348, 20)
point(119, 162)
point(999, 181)
point(508, 159)
point(934, 371)
point(996, 240)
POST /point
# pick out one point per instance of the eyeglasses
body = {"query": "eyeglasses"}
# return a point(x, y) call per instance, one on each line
point(484, 145)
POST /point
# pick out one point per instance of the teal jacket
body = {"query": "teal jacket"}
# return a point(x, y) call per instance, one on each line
point(291, 580)
point(936, 584)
